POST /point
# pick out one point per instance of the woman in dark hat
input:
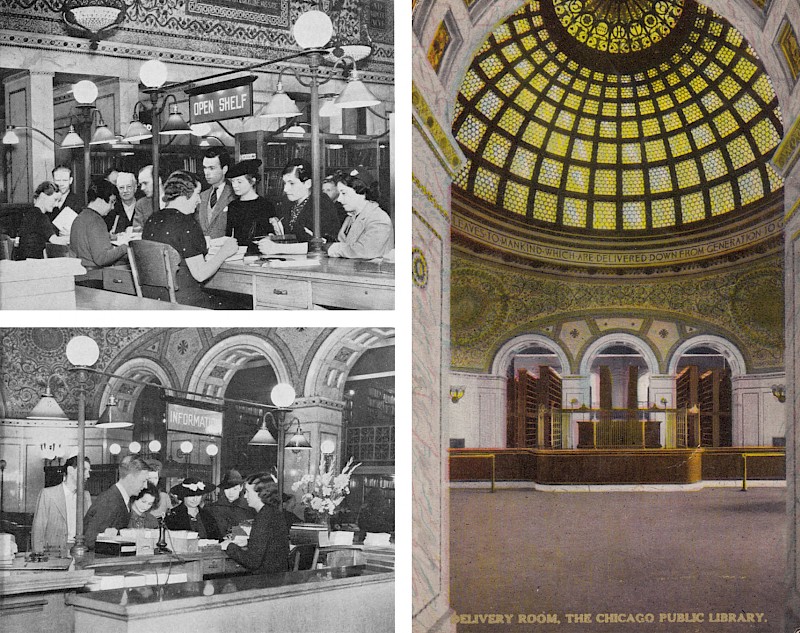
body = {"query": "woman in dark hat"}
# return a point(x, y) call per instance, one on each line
point(188, 515)
point(267, 549)
point(367, 232)
point(248, 215)
point(230, 509)
point(297, 217)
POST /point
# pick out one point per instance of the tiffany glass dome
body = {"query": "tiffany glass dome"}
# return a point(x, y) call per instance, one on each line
point(616, 116)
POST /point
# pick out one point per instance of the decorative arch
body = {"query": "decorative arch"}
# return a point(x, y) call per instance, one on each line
point(127, 393)
point(331, 363)
point(619, 338)
point(215, 368)
point(723, 346)
point(505, 355)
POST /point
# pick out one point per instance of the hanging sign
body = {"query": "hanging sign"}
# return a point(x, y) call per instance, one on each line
point(192, 419)
point(226, 100)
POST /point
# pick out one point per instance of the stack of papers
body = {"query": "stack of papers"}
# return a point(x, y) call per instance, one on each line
point(64, 220)
point(291, 262)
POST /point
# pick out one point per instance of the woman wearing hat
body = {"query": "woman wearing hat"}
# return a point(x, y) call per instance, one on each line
point(248, 215)
point(367, 232)
point(230, 509)
point(268, 546)
point(188, 515)
point(297, 218)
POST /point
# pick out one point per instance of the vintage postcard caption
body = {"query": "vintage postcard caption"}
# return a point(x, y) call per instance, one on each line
point(693, 617)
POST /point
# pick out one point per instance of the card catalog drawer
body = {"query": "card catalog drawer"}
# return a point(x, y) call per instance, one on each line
point(282, 293)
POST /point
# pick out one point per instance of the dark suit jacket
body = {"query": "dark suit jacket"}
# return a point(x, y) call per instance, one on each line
point(304, 225)
point(227, 514)
point(108, 510)
point(268, 548)
point(117, 221)
point(215, 227)
point(178, 519)
point(72, 201)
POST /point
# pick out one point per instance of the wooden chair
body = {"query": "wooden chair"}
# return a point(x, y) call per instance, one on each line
point(6, 246)
point(304, 556)
point(153, 264)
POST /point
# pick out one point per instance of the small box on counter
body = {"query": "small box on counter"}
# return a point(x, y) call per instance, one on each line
point(114, 547)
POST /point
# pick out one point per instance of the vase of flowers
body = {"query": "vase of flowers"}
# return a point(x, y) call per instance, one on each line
point(324, 492)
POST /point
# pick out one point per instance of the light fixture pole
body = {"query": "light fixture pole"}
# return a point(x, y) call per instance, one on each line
point(2, 487)
point(82, 352)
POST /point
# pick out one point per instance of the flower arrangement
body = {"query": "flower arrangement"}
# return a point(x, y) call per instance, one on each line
point(324, 492)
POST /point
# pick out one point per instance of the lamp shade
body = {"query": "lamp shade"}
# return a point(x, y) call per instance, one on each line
point(356, 94)
point(200, 129)
point(85, 92)
point(72, 139)
point(298, 441)
point(47, 408)
point(153, 73)
point(175, 124)
point(313, 29)
point(137, 131)
point(10, 137)
point(82, 351)
point(111, 417)
point(263, 437)
point(282, 395)
point(102, 135)
point(281, 105)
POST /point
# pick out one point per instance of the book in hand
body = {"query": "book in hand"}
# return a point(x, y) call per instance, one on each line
point(64, 220)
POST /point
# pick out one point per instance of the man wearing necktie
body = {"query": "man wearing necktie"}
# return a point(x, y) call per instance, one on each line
point(54, 520)
point(212, 212)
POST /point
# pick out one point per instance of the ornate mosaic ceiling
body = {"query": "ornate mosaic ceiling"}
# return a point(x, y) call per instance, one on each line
point(662, 118)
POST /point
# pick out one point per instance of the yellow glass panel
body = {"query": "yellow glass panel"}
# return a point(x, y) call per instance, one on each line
point(496, 150)
point(604, 216)
point(687, 70)
point(692, 112)
point(581, 150)
point(525, 99)
point(573, 65)
point(529, 42)
point(655, 150)
point(725, 55)
point(586, 126)
point(698, 84)
point(722, 200)
point(632, 182)
point(729, 87)
point(524, 68)
point(606, 153)
point(775, 181)
point(630, 129)
point(590, 106)
point(686, 174)
point(471, 132)
point(512, 52)
point(491, 66)
point(747, 107)
point(698, 59)
point(551, 68)
point(612, 92)
point(702, 135)
point(663, 212)
point(764, 89)
point(523, 163)
point(539, 83)
point(711, 102)
point(502, 33)
point(572, 101)
point(609, 108)
point(631, 153)
point(708, 45)
point(565, 120)
point(660, 179)
point(605, 182)
point(565, 78)
point(712, 71)
point(486, 183)
point(539, 56)
point(628, 109)
point(714, 164)
point(578, 179)
point(647, 107)
point(740, 152)
point(642, 90)
point(545, 206)
point(766, 136)
point(522, 26)
point(471, 85)
point(715, 28)
point(608, 129)
point(508, 84)
point(682, 94)
point(556, 93)
point(745, 69)
point(672, 121)
point(545, 112)
point(692, 208)
point(558, 144)
point(490, 105)
point(673, 79)
point(665, 102)
point(579, 86)
point(574, 212)
point(550, 173)
point(534, 134)
point(511, 121)
point(462, 177)
point(634, 215)
point(594, 90)
point(516, 198)
point(751, 186)
point(725, 124)
point(679, 144)
point(734, 37)
point(658, 86)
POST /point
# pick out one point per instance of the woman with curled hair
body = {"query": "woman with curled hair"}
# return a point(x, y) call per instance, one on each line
point(267, 549)
point(367, 232)
point(176, 225)
point(36, 230)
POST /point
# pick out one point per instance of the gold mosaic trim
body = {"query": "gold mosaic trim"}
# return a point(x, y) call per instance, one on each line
point(426, 223)
point(418, 184)
point(786, 153)
point(792, 211)
point(431, 129)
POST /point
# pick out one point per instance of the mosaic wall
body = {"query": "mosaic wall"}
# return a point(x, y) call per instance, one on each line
point(253, 28)
point(492, 303)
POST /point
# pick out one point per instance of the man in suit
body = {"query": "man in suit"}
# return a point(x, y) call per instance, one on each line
point(145, 205)
point(112, 506)
point(212, 212)
point(55, 518)
point(122, 215)
point(62, 179)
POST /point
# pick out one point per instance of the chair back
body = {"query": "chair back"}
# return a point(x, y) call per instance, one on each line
point(6, 246)
point(154, 264)
point(304, 556)
point(56, 250)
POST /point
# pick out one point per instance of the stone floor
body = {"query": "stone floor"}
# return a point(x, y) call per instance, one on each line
point(693, 560)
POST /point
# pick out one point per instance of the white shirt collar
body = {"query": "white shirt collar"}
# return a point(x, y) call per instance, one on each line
point(126, 497)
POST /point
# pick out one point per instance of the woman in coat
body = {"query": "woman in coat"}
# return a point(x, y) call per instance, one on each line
point(267, 550)
point(188, 515)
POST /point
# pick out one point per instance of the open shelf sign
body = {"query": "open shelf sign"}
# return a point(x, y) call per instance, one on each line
point(225, 100)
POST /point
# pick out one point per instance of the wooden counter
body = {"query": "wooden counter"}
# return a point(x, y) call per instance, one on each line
point(95, 299)
point(340, 283)
point(342, 599)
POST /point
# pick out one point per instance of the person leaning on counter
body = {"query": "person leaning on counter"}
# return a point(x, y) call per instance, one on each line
point(268, 546)
point(141, 517)
point(188, 515)
point(36, 230)
point(111, 509)
point(367, 232)
point(54, 520)
point(248, 213)
point(230, 509)
point(89, 240)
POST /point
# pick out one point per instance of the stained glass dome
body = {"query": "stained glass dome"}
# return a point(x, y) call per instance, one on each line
point(561, 131)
